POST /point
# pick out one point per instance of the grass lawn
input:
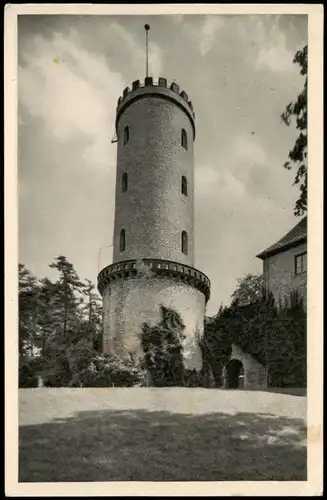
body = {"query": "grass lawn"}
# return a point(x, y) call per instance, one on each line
point(172, 434)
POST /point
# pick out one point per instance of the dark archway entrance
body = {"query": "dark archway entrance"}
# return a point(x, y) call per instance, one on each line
point(234, 374)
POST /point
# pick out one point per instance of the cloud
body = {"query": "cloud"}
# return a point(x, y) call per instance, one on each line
point(138, 51)
point(71, 90)
point(205, 178)
point(235, 178)
point(275, 55)
point(208, 32)
point(266, 43)
point(248, 149)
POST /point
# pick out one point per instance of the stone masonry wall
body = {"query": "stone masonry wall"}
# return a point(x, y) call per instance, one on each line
point(254, 372)
point(127, 303)
point(153, 211)
point(279, 273)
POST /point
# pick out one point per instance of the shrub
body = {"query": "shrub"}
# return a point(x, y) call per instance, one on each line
point(163, 349)
point(111, 370)
point(29, 369)
point(275, 337)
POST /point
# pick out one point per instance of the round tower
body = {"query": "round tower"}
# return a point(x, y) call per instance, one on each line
point(153, 247)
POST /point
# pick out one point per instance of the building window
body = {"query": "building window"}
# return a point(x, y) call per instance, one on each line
point(301, 263)
point(184, 242)
point(124, 182)
point(126, 134)
point(122, 240)
point(184, 185)
point(184, 139)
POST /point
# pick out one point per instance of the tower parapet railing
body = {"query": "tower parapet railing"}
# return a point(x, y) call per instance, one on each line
point(157, 82)
point(130, 268)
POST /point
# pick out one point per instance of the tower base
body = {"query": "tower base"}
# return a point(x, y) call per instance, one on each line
point(132, 295)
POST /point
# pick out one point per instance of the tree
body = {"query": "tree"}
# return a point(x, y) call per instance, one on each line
point(274, 337)
point(163, 349)
point(28, 332)
point(79, 356)
point(216, 348)
point(68, 284)
point(249, 289)
point(66, 339)
point(28, 310)
point(289, 345)
point(298, 155)
point(93, 310)
point(59, 326)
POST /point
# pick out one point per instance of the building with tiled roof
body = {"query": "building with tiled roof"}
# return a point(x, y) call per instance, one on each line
point(285, 263)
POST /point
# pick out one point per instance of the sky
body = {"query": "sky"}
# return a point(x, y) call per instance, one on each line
point(239, 75)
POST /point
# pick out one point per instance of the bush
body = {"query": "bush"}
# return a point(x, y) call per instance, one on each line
point(111, 370)
point(28, 372)
point(192, 378)
point(163, 350)
point(274, 337)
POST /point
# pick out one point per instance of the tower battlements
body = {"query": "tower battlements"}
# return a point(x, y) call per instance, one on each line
point(158, 88)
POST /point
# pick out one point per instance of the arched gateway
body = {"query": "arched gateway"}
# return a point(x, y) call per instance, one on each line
point(234, 374)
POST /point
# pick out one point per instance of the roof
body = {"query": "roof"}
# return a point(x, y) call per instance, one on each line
point(295, 236)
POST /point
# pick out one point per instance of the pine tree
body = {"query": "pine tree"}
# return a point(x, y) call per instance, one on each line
point(68, 285)
point(62, 322)
point(92, 309)
point(28, 311)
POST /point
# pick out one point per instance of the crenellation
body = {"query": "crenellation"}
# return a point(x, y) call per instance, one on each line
point(174, 87)
point(136, 85)
point(161, 82)
point(148, 81)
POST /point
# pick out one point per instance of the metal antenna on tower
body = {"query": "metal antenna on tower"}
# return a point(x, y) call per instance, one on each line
point(146, 27)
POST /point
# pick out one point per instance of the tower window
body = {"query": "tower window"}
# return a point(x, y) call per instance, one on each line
point(126, 134)
point(124, 182)
point(122, 240)
point(184, 242)
point(184, 138)
point(184, 185)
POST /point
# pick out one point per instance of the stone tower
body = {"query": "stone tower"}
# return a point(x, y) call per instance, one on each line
point(153, 252)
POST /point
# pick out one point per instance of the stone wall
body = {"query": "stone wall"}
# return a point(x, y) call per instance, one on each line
point(254, 372)
point(279, 273)
point(127, 303)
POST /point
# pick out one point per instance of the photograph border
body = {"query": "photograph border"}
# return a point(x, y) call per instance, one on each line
point(314, 483)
